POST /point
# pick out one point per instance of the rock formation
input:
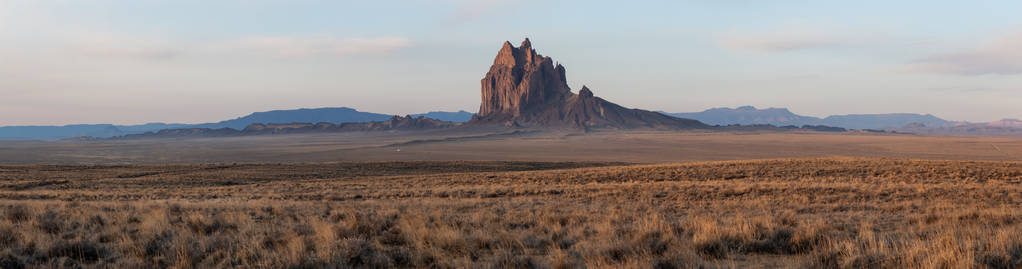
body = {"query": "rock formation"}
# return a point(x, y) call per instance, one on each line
point(524, 88)
point(521, 80)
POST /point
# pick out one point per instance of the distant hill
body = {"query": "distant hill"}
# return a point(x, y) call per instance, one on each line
point(460, 116)
point(337, 115)
point(880, 121)
point(1007, 123)
point(963, 129)
point(391, 124)
point(748, 115)
point(141, 128)
point(310, 115)
point(58, 132)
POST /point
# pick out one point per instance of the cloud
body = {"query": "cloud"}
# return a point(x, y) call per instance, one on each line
point(961, 89)
point(133, 53)
point(788, 40)
point(1000, 56)
point(124, 47)
point(113, 46)
point(315, 46)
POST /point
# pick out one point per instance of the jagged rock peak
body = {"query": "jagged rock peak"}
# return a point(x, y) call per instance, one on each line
point(526, 89)
point(585, 92)
point(511, 56)
point(506, 55)
point(520, 79)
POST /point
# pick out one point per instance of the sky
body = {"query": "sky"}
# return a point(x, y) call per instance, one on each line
point(193, 61)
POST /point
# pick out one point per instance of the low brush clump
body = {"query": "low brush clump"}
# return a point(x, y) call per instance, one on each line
point(812, 213)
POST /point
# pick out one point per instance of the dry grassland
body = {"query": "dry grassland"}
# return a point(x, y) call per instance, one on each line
point(815, 213)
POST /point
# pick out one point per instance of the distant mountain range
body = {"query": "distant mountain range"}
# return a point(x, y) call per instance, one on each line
point(79, 130)
point(328, 114)
point(460, 116)
point(748, 115)
point(745, 115)
point(309, 115)
point(306, 115)
point(965, 129)
point(1006, 123)
point(393, 123)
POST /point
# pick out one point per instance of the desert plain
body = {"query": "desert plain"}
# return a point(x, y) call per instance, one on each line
point(526, 199)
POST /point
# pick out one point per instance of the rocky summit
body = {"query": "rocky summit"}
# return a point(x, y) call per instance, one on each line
point(526, 89)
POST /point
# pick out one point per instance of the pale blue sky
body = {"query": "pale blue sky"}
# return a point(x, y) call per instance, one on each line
point(136, 61)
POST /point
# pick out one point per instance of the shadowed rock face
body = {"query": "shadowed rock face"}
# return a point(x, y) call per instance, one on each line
point(524, 88)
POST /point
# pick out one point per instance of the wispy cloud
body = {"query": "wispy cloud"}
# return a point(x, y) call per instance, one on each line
point(801, 38)
point(787, 40)
point(105, 45)
point(123, 47)
point(1000, 56)
point(961, 89)
point(316, 46)
point(783, 42)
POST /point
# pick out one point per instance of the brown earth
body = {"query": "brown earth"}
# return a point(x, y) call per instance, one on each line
point(617, 146)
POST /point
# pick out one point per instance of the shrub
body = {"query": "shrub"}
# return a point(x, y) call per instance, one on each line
point(79, 251)
point(17, 213)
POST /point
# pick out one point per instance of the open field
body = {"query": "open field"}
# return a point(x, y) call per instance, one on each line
point(631, 146)
point(810, 212)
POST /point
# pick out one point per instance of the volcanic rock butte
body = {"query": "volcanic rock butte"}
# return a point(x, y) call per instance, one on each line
point(526, 89)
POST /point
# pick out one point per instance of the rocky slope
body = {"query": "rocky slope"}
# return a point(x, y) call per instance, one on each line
point(526, 89)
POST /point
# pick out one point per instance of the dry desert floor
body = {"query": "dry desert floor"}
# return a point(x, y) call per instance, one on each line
point(631, 146)
point(514, 200)
point(776, 213)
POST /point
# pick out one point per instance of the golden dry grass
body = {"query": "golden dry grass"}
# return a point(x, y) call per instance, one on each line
point(814, 213)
